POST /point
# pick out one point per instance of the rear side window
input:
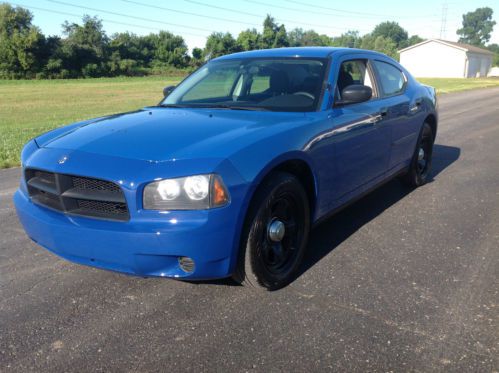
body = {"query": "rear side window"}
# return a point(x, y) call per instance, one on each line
point(392, 80)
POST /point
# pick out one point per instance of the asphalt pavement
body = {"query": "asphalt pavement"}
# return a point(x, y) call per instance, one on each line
point(403, 280)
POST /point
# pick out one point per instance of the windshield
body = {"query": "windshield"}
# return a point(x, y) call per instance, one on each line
point(277, 84)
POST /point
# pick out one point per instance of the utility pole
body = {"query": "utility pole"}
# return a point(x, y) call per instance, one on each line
point(443, 24)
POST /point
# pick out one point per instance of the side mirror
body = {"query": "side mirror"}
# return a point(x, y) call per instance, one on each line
point(168, 90)
point(354, 94)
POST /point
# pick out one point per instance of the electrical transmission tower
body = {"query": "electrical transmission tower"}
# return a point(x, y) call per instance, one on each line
point(443, 24)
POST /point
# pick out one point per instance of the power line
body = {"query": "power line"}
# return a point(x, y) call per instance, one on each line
point(378, 15)
point(301, 11)
point(279, 19)
point(223, 8)
point(288, 8)
point(187, 13)
point(127, 16)
point(156, 21)
point(104, 20)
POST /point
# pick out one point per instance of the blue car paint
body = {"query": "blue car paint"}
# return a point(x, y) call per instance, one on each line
point(346, 153)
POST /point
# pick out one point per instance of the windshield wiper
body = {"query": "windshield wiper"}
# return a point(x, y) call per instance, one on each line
point(174, 105)
point(237, 107)
point(216, 106)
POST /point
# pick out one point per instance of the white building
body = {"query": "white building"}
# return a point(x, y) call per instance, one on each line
point(435, 58)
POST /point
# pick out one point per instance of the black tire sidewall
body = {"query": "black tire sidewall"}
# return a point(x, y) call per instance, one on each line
point(251, 269)
point(414, 176)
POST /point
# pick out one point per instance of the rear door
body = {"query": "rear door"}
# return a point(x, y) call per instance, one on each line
point(399, 116)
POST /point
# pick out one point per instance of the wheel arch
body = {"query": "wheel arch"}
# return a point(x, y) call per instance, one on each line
point(296, 163)
point(303, 172)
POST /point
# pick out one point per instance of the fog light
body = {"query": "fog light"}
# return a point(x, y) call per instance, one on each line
point(186, 263)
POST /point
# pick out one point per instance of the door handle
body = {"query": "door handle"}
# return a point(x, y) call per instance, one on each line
point(383, 112)
point(417, 105)
point(376, 119)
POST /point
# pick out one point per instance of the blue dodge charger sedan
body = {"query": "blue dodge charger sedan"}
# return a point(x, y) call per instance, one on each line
point(227, 174)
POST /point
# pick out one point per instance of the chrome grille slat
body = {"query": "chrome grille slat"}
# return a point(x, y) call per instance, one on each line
point(77, 195)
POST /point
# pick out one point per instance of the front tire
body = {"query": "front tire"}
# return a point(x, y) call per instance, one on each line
point(420, 167)
point(275, 235)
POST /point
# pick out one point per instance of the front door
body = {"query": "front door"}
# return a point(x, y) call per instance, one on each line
point(362, 140)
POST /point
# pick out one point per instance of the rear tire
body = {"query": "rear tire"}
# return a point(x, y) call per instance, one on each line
point(275, 234)
point(420, 167)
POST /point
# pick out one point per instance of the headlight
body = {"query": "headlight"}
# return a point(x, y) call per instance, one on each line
point(198, 192)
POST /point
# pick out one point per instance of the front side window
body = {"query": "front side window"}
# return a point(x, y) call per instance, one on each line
point(280, 84)
point(353, 72)
point(392, 80)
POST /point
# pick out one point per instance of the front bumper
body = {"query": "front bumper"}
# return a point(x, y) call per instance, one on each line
point(144, 247)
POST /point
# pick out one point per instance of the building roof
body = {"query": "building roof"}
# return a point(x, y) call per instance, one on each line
point(462, 46)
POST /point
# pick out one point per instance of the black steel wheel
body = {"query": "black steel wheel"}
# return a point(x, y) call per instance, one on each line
point(275, 234)
point(420, 167)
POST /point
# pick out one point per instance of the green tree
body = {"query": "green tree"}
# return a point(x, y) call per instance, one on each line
point(386, 46)
point(414, 39)
point(298, 37)
point(21, 43)
point(219, 43)
point(249, 40)
point(131, 46)
point(169, 50)
point(391, 30)
point(197, 53)
point(129, 54)
point(197, 57)
point(84, 50)
point(381, 44)
point(274, 35)
point(477, 27)
point(349, 39)
point(494, 48)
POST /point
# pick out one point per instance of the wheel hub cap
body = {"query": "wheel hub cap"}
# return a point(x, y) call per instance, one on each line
point(421, 154)
point(276, 230)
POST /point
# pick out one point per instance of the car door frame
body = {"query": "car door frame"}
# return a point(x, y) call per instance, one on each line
point(343, 193)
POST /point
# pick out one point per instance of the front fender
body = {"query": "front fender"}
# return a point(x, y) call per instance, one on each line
point(258, 178)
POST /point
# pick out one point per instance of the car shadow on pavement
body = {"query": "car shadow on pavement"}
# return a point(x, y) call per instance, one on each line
point(326, 236)
point(332, 232)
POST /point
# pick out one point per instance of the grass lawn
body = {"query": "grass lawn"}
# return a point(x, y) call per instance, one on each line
point(28, 108)
point(447, 85)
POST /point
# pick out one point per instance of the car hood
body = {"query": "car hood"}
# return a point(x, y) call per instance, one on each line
point(161, 134)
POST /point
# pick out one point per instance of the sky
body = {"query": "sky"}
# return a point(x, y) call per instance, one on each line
point(196, 19)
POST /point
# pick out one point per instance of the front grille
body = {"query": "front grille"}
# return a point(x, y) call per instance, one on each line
point(85, 183)
point(104, 207)
point(77, 195)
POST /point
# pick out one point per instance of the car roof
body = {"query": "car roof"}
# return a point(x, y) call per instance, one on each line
point(317, 52)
